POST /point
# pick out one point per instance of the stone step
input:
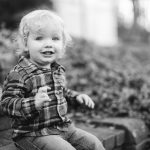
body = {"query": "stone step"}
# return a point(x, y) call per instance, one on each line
point(111, 138)
point(115, 133)
point(119, 133)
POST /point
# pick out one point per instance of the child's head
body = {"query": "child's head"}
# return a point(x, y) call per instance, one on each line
point(42, 32)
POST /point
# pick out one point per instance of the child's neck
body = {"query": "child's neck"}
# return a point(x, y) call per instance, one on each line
point(48, 66)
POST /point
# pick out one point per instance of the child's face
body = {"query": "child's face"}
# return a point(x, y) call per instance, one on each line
point(45, 45)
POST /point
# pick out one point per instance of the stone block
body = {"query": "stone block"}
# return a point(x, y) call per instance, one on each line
point(136, 132)
point(111, 138)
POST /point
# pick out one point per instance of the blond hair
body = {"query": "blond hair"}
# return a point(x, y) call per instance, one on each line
point(34, 21)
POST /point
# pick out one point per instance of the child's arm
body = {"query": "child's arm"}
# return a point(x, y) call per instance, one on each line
point(70, 94)
point(13, 99)
point(73, 96)
point(80, 98)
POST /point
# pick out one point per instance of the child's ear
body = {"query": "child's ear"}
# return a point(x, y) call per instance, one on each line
point(25, 43)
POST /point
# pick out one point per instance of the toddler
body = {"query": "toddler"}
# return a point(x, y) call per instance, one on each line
point(35, 95)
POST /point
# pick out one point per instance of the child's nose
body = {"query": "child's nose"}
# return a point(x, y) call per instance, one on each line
point(48, 46)
point(49, 43)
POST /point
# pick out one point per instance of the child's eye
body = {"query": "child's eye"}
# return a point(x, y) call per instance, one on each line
point(39, 38)
point(55, 38)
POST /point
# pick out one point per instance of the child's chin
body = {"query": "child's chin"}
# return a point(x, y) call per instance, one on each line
point(50, 61)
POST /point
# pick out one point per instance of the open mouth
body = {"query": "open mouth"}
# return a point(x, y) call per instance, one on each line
point(48, 53)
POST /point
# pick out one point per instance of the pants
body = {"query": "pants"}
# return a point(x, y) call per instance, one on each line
point(73, 139)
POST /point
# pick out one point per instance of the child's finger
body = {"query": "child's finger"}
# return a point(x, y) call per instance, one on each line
point(86, 101)
point(81, 100)
point(90, 103)
point(45, 97)
point(43, 89)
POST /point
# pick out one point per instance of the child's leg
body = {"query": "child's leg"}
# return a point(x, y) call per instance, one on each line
point(51, 142)
point(81, 139)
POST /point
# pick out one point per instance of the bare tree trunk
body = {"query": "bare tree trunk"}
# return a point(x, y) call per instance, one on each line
point(136, 11)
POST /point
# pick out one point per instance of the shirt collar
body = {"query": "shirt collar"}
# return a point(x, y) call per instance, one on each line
point(30, 67)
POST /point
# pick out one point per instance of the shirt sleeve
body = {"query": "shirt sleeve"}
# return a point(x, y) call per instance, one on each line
point(70, 94)
point(13, 101)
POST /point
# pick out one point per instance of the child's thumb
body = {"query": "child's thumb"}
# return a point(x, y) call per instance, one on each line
point(43, 89)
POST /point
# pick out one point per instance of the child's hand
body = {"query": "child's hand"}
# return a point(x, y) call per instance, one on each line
point(41, 96)
point(83, 98)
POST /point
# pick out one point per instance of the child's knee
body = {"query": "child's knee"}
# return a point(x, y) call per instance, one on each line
point(95, 143)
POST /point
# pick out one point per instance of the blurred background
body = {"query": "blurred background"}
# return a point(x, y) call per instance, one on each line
point(110, 56)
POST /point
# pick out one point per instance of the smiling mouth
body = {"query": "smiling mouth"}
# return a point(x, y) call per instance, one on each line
point(48, 53)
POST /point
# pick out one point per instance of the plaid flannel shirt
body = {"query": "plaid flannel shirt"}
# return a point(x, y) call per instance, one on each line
point(20, 87)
